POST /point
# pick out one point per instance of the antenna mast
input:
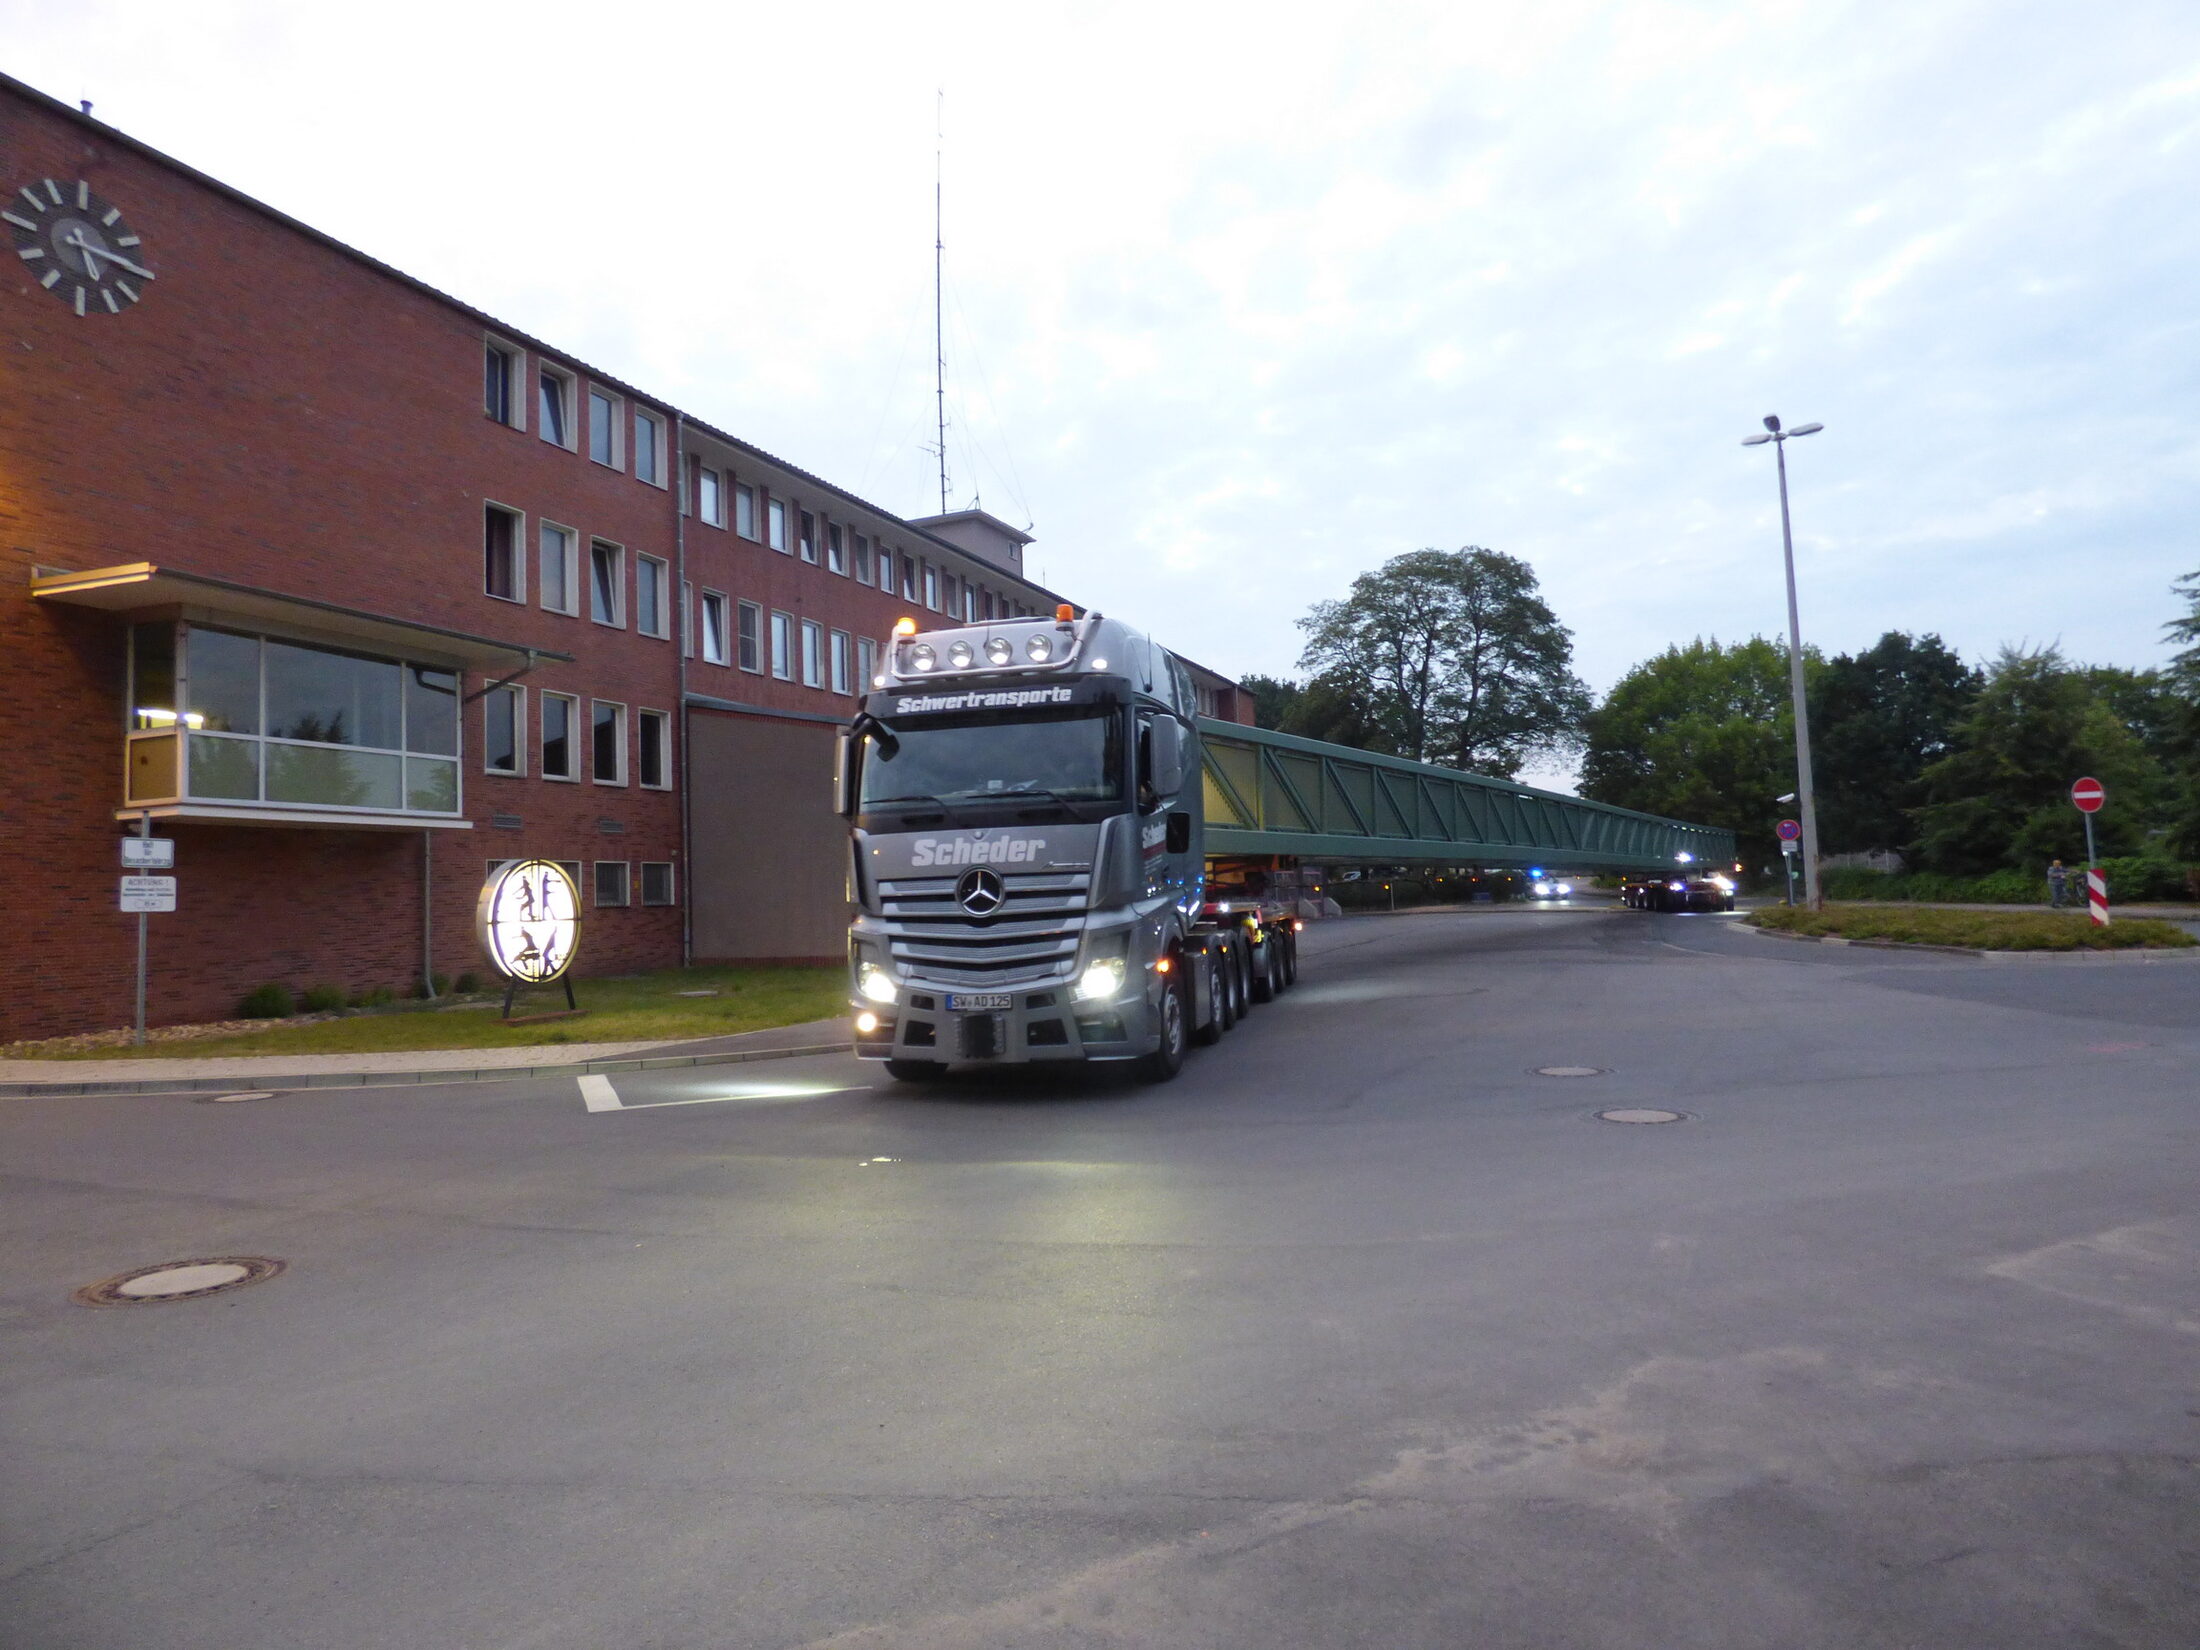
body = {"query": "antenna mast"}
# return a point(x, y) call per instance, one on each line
point(939, 329)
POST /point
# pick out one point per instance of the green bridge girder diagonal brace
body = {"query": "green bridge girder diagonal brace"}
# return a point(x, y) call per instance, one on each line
point(1273, 793)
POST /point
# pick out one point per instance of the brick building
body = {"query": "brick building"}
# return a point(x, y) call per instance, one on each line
point(354, 591)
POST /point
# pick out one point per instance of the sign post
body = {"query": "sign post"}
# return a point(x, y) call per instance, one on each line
point(2087, 795)
point(142, 894)
point(1790, 833)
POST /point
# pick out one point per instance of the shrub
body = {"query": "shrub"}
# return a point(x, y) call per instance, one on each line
point(442, 987)
point(375, 996)
point(321, 999)
point(265, 1002)
point(1980, 930)
point(468, 983)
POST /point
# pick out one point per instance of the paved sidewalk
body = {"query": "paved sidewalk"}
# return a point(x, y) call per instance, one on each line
point(293, 1071)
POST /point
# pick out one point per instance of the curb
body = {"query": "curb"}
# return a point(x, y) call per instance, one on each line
point(412, 1079)
point(2129, 954)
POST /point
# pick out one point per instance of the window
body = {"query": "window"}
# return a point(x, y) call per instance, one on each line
point(603, 427)
point(931, 587)
point(272, 720)
point(950, 600)
point(503, 719)
point(556, 397)
point(908, 577)
point(559, 713)
point(714, 628)
point(710, 497)
point(844, 662)
point(611, 882)
point(653, 753)
point(606, 583)
point(744, 509)
point(836, 549)
point(558, 574)
point(649, 448)
point(651, 580)
point(775, 525)
point(606, 742)
point(656, 882)
point(866, 663)
point(970, 604)
point(783, 646)
point(809, 537)
point(750, 618)
point(502, 575)
point(862, 559)
point(886, 569)
point(813, 653)
point(500, 382)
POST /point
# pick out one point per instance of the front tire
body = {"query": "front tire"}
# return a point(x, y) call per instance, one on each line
point(1218, 1001)
point(1168, 1059)
point(916, 1071)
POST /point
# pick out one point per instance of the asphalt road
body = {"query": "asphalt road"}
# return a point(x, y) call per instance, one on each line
point(1360, 1333)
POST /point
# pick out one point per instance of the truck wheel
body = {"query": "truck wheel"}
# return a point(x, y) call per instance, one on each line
point(1218, 999)
point(1290, 958)
point(1264, 971)
point(916, 1071)
point(1226, 987)
point(1168, 1059)
point(1241, 974)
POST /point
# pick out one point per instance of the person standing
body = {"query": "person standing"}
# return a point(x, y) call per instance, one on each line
point(2057, 880)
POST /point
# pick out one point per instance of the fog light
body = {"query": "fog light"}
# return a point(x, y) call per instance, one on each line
point(960, 655)
point(1040, 649)
point(866, 1023)
point(998, 651)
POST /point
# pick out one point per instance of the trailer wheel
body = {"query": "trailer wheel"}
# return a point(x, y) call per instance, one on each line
point(1290, 958)
point(1241, 973)
point(1168, 1059)
point(1264, 970)
point(1218, 1002)
point(1226, 987)
point(916, 1071)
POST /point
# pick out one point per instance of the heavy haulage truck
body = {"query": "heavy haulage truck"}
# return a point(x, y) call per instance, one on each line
point(1027, 868)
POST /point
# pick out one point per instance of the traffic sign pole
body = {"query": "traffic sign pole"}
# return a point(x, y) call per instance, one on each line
point(2088, 796)
point(145, 829)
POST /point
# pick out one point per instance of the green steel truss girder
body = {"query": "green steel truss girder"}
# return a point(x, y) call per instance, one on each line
point(1272, 793)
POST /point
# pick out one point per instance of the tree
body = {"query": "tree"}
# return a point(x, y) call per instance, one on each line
point(1273, 697)
point(1877, 718)
point(2181, 812)
point(2000, 799)
point(1454, 657)
point(1701, 732)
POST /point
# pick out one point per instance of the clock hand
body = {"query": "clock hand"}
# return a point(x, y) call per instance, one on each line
point(90, 252)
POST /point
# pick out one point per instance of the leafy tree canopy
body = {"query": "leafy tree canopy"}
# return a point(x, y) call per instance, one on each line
point(1877, 718)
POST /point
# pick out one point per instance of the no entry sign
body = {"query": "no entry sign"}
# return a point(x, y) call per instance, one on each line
point(1790, 829)
point(2088, 794)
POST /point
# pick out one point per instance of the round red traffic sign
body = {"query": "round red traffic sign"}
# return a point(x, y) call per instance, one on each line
point(1789, 830)
point(2088, 795)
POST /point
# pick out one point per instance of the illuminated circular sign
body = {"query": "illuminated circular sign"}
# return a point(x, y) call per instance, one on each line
point(529, 920)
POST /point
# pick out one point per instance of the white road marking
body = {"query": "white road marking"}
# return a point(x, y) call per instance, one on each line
point(780, 1094)
point(597, 1094)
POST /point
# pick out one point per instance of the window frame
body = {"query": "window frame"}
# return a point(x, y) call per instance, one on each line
point(572, 703)
point(748, 639)
point(782, 646)
point(813, 654)
point(664, 596)
point(710, 495)
point(805, 536)
point(775, 525)
point(672, 883)
point(663, 721)
point(866, 663)
point(724, 653)
point(514, 358)
point(836, 549)
point(885, 568)
point(618, 584)
point(931, 587)
point(547, 374)
point(572, 569)
point(661, 431)
point(515, 548)
point(618, 722)
point(840, 662)
point(859, 558)
point(744, 493)
point(517, 697)
point(610, 427)
point(595, 884)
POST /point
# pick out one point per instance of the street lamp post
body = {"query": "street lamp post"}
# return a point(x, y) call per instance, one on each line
point(1808, 805)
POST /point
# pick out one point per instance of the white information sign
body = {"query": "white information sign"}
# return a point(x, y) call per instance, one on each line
point(150, 853)
point(148, 893)
point(529, 920)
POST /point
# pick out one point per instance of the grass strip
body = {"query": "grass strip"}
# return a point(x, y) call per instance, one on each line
point(1976, 930)
point(629, 1008)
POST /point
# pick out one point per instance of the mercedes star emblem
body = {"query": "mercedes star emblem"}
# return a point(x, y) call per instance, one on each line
point(980, 892)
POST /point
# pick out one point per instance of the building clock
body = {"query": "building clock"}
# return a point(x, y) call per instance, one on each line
point(77, 247)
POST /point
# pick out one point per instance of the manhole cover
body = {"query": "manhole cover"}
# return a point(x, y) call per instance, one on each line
point(242, 1094)
point(1570, 1071)
point(1640, 1114)
point(178, 1280)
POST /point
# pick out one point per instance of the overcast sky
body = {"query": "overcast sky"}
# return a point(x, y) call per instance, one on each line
point(1245, 300)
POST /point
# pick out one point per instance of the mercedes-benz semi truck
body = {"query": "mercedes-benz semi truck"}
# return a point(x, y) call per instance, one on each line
point(1027, 865)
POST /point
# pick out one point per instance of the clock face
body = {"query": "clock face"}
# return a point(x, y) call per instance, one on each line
point(77, 247)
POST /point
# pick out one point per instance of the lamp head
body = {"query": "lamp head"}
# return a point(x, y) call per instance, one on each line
point(1772, 422)
point(1755, 440)
point(1806, 429)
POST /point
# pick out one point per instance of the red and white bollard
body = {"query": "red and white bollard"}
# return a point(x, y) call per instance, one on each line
point(2096, 896)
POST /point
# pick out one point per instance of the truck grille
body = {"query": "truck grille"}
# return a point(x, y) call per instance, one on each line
point(1033, 936)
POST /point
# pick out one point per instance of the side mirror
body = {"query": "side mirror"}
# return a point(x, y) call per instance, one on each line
point(1180, 833)
point(844, 775)
point(1168, 756)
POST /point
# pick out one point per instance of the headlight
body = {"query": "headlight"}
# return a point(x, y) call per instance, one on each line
point(999, 651)
point(921, 657)
point(871, 980)
point(1101, 980)
point(1041, 649)
point(1721, 883)
point(960, 655)
point(1564, 889)
point(1678, 887)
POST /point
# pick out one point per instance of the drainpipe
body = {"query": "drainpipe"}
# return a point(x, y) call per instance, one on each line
point(427, 914)
point(690, 618)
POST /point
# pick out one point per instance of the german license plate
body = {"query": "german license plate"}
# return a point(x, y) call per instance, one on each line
point(979, 999)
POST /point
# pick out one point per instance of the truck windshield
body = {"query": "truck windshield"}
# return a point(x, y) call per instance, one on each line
point(1077, 757)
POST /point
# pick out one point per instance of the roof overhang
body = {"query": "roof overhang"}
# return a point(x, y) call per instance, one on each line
point(326, 819)
point(144, 589)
